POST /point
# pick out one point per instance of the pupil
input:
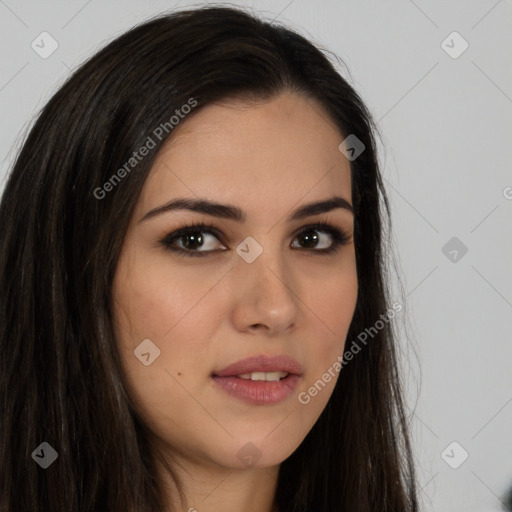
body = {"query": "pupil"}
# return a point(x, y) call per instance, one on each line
point(195, 240)
point(310, 241)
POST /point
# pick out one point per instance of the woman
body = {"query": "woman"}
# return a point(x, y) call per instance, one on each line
point(194, 312)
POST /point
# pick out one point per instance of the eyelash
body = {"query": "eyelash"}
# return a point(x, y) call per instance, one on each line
point(339, 238)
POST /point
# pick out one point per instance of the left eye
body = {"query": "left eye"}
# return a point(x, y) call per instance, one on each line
point(310, 237)
point(192, 238)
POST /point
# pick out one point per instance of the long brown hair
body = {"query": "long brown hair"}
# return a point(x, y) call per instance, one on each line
point(60, 375)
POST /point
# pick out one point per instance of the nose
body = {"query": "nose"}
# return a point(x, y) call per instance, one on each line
point(266, 295)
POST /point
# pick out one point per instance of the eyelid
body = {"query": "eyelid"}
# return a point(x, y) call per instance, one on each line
point(198, 226)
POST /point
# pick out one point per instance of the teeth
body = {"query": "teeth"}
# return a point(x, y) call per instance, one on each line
point(268, 376)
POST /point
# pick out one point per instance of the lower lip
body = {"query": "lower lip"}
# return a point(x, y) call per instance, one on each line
point(258, 392)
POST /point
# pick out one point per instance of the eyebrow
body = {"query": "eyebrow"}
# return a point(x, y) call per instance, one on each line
point(231, 212)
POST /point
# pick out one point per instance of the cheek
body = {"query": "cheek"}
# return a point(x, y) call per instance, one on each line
point(332, 305)
point(334, 302)
point(330, 296)
point(178, 309)
point(174, 309)
point(154, 299)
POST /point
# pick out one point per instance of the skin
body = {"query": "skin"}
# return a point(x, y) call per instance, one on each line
point(204, 313)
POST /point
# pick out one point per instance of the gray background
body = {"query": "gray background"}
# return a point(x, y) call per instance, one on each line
point(446, 161)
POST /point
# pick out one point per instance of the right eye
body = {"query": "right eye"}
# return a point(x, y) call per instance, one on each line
point(192, 238)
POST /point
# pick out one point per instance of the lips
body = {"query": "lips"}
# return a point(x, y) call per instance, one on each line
point(244, 381)
point(261, 363)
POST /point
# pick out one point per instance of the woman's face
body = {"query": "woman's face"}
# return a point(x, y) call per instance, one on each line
point(259, 286)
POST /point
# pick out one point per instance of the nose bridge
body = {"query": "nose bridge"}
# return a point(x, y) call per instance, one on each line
point(266, 281)
point(264, 257)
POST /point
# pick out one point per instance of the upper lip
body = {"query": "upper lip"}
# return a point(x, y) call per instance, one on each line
point(261, 363)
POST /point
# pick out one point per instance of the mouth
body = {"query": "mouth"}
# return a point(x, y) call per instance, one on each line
point(261, 365)
point(274, 376)
point(260, 380)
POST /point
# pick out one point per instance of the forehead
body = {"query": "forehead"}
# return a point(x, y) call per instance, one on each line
point(276, 153)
